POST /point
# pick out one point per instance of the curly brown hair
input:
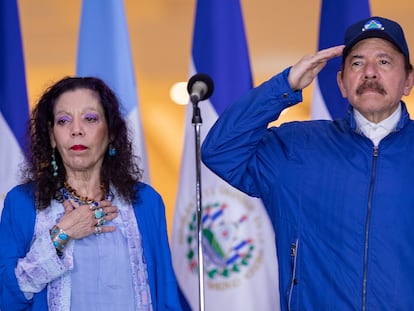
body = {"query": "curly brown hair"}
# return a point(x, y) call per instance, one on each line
point(120, 170)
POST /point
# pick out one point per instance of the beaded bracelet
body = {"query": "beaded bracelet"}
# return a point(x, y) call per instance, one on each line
point(59, 238)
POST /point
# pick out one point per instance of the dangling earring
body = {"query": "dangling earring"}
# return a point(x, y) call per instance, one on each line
point(111, 150)
point(53, 163)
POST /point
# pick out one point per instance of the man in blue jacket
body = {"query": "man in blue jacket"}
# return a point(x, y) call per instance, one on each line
point(340, 194)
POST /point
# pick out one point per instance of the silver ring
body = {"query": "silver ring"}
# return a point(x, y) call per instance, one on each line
point(93, 205)
point(98, 231)
point(101, 221)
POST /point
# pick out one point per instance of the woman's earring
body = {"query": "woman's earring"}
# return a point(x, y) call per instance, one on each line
point(53, 163)
point(111, 150)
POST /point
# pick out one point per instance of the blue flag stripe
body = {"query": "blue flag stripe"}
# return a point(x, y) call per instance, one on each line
point(13, 94)
point(104, 49)
point(229, 67)
point(336, 16)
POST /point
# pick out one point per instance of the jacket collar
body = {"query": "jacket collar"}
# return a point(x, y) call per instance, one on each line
point(404, 119)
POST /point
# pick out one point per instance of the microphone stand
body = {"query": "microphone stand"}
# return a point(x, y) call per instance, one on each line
point(197, 121)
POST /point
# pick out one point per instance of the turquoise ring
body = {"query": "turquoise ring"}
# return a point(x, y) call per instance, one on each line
point(99, 213)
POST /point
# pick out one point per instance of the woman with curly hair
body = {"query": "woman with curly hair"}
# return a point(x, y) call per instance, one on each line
point(83, 232)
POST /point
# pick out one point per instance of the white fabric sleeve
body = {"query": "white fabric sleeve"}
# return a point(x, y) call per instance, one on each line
point(40, 266)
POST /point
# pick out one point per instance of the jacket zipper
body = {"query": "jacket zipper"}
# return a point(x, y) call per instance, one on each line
point(293, 281)
point(367, 226)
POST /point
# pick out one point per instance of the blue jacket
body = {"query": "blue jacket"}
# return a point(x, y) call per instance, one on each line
point(342, 210)
point(16, 232)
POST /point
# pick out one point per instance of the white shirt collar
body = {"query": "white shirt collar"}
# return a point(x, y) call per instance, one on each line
point(377, 131)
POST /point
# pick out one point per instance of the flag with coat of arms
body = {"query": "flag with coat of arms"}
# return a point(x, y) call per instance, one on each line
point(237, 238)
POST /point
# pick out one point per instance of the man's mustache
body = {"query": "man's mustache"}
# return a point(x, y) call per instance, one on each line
point(372, 86)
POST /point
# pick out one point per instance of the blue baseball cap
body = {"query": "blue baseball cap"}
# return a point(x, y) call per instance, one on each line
point(376, 27)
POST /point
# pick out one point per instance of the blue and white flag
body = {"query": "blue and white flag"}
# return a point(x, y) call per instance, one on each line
point(336, 16)
point(14, 108)
point(240, 266)
point(104, 51)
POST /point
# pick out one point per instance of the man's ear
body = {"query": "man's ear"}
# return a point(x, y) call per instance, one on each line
point(409, 83)
point(341, 84)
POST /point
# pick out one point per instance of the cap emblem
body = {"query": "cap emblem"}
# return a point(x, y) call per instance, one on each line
point(373, 24)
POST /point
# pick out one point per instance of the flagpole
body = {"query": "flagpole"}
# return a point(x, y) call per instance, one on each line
point(197, 121)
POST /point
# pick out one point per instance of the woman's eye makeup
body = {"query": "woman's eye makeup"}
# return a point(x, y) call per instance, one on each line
point(91, 117)
point(63, 119)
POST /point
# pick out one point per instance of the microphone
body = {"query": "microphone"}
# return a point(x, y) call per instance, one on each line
point(200, 87)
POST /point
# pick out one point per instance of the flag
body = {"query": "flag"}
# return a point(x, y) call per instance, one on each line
point(238, 240)
point(14, 107)
point(335, 17)
point(104, 52)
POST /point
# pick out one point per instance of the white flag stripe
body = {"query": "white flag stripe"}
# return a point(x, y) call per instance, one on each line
point(318, 107)
point(139, 146)
point(11, 159)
